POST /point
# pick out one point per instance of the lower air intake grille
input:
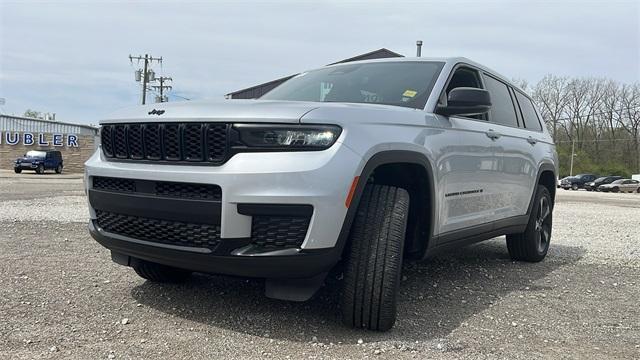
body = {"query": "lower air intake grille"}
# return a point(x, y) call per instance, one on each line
point(160, 231)
point(113, 184)
point(278, 232)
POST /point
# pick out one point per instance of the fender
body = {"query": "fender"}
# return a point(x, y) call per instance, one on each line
point(383, 158)
point(543, 167)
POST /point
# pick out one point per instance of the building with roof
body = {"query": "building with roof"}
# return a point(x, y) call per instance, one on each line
point(18, 135)
point(256, 91)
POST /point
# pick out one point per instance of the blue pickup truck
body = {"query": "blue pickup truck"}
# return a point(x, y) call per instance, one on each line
point(39, 160)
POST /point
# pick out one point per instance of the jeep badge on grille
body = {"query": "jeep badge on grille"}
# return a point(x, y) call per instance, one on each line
point(156, 112)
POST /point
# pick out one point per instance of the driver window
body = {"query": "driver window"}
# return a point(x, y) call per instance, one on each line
point(464, 77)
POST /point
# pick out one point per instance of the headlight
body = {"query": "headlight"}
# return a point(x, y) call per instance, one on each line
point(287, 137)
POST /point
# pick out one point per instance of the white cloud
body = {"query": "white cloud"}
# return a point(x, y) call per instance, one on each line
point(70, 57)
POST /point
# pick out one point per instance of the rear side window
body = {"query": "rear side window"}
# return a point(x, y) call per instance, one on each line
point(529, 114)
point(502, 111)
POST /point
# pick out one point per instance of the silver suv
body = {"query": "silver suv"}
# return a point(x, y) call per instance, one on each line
point(362, 164)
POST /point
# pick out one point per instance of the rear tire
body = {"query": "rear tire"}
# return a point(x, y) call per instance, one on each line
point(59, 169)
point(532, 245)
point(374, 262)
point(160, 273)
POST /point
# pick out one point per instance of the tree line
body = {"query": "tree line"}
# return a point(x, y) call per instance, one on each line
point(598, 118)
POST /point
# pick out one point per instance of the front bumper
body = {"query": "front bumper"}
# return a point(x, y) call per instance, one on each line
point(25, 166)
point(299, 264)
point(320, 180)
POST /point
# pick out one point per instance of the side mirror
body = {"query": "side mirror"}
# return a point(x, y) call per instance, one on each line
point(466, 101)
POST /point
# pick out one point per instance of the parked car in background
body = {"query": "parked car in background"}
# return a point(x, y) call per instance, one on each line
point(39, 160)
point(577, 182)
point(559, 181)
point(593, 186)
point(622, 185)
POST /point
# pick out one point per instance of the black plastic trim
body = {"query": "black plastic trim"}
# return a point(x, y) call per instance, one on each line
point(544, 167)
point(166, 208)
point(383, 158)
point(275, 209)
point(473, 234)
point(302, 264)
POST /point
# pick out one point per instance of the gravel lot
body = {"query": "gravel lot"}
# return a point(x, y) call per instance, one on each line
point(62, 297)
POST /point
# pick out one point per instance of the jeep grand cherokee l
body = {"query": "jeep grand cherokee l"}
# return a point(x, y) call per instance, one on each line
point(363, 163)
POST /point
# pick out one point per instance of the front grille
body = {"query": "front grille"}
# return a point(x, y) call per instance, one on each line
point(205, 143)
point(159, 188)
point(160, 231)
point(278, 232)
point(113, 184)
point(188, 190)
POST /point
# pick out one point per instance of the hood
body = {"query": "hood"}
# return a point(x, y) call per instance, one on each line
point(223, 111)
point(271, 111)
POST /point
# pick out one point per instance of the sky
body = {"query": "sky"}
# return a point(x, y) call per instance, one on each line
point(72, 57)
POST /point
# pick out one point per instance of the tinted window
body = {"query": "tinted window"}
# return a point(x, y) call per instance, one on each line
point(406, 83)
point(531, 120)
point(502, 111)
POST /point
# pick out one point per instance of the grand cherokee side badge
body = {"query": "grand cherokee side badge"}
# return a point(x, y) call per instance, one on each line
point(156, 112)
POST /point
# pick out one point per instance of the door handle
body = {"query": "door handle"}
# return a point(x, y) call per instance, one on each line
point(531, 140)
point(491, 134)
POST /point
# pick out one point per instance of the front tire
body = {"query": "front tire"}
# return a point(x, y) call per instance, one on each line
point(17, 170)
point(374, 262)
point(40, 169)
point(574, 187)
point(160, 273)
point(615, 190)
point(532, 245)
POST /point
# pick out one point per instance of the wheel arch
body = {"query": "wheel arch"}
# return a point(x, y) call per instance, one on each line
point(421, 188)
point(546, 177)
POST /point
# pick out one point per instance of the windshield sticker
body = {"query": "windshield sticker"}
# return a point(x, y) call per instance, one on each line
point(409, 93)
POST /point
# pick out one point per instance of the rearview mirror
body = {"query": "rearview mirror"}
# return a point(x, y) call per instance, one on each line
point(466, 101)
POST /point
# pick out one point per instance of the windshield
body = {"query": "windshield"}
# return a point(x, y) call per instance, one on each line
point(618, 181)
point(600, 179)
point(36, 154)
point(406, 83)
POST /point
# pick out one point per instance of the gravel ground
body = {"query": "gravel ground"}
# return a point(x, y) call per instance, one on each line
point(62, 297)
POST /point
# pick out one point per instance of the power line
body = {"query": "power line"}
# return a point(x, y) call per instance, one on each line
point(600, 113)
point(594, 140)
point(162, 87)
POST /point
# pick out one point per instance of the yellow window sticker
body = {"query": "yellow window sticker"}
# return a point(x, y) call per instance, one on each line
point(409, 93)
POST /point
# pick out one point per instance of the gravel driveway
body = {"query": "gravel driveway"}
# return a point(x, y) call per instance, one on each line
point(62, 297)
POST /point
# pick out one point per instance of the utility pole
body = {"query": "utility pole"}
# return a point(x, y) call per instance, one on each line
point(147, 74)
point(573, 145)
point(161, 87)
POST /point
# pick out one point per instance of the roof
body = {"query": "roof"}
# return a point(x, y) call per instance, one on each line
point(375, 54)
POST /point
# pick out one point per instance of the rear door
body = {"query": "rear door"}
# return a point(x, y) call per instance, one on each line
point(49, 160)
point(515, 148)
point(629, 185)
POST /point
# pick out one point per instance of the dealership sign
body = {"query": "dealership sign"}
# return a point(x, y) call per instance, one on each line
point(15, 138)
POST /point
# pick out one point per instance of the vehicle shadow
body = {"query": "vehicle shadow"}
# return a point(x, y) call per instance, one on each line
point(436, 296)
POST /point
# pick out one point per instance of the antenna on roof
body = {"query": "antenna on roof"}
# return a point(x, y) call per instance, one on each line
point(419, 48)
